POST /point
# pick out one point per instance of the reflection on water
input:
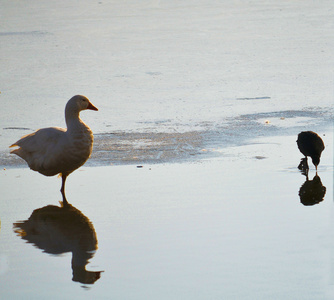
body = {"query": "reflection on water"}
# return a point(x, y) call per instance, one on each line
point(57, 230)
point(312, 191)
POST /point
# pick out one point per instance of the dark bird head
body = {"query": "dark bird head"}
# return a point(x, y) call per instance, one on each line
point(316, 161)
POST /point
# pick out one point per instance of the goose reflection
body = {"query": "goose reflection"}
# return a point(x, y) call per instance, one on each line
point(63, 229)
point(312, 191)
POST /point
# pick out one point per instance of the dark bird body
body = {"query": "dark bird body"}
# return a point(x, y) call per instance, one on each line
point(310, 144)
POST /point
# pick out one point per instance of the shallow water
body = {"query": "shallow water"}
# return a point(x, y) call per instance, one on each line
point(192, 190)
point(232, 227)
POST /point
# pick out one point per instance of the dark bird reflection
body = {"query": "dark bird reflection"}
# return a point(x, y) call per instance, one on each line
point(312, 191)
point(57, 230)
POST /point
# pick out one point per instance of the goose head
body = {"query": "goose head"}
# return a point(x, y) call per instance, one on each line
point(75, 105)
point(79, 102)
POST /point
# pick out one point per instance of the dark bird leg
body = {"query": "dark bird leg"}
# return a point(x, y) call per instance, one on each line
point(306, 164)
point(62, 190)
point(305, 172)
point(303, 165)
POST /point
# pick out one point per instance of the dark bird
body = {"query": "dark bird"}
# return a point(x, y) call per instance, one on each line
point(310, 144)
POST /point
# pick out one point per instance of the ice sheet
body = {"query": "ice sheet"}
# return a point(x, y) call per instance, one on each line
point(162, 66)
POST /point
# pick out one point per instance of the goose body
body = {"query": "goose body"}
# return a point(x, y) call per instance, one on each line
point(310, 144)
point(51, 151)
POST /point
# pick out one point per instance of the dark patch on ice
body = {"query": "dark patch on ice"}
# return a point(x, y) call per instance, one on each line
point(255, 98)
point(260, 157)
point(163, 143)
point(123, 76)
point(156, 122)
point(163, 146)
point(15, 33)
point(309, 112)
point(154, 73)
point(144, 147)
point(16, 128)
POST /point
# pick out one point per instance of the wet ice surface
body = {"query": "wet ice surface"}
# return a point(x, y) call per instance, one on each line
point(207, 98)
point(229, 227)
point(165, 141)
point(170, 146)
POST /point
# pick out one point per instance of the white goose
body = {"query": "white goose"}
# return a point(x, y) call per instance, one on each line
point(51, 151)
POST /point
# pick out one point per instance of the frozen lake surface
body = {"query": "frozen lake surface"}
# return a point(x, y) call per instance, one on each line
point(192, 190)
point(159, 66)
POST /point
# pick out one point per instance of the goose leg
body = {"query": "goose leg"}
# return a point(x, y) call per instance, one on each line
point(62, 190)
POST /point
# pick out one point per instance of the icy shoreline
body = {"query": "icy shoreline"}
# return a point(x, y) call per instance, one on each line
point(166, 142)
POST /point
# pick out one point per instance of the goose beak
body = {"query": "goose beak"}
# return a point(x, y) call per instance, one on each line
point(91, 106)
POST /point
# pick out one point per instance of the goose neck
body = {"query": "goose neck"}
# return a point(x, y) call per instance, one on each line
point(73, 121)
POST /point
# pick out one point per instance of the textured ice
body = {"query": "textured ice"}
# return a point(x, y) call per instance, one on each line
point(158, 68)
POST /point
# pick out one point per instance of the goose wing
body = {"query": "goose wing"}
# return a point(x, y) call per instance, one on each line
point(41, 148)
